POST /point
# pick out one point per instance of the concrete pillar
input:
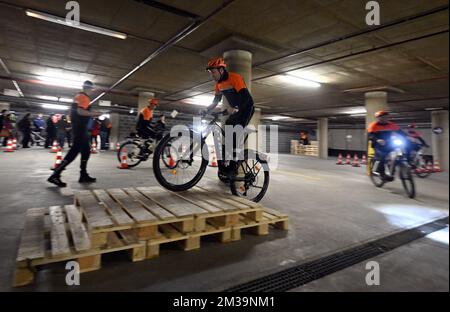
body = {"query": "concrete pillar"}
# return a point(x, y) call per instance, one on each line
point(114, 136)
point(322, 135)
point(240, 62)
point(375, 101)
point(439, 119)
point(4, 105)
point(143, 99)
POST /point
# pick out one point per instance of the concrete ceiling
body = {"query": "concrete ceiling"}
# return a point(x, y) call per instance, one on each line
point(415, 72)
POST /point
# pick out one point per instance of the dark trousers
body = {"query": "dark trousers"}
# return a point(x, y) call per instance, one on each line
point(61, 139)
point(26, 138)
point(49, 139)
point(381, 154)
point(80, 146)
point(104, 139)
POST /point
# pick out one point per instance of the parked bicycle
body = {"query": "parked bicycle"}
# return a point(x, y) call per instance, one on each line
point(397, 159)
point(189, 158)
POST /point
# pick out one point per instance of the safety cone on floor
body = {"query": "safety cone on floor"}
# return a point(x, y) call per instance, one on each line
point(54, 147)
point(9, 147)
point(94, 148)
point(339, 161)
point(117, 146)
point(348, 160)
point(214, 163)
point(364, 160)
point(356, 161)
point(123, 162)
point(58, 159)
point(436, 167)
point(14, 144)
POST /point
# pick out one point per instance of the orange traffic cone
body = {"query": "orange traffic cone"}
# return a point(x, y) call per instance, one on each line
point(429, 167)
point(123, 163)
point(356, 161)
point(348, 160)
point(437, 167)
point(9, 147)
point(54, 147)
point(94, 148)
point(364, 160)
point(58, 159)
point(14, 144)
point(339, 161)
point(214, 159)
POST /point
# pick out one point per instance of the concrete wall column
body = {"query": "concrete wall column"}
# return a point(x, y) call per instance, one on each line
point(114, 135)
point(240, 62)
point(375, 101)
point(322, 135)
point(440, 141)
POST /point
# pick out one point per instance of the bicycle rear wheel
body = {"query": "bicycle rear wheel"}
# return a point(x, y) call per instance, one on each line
point(421, 168)
point(133, 151)
point(407, 180)
point(251, 179)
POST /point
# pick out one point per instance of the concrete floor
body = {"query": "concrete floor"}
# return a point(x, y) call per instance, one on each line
point(330, 207)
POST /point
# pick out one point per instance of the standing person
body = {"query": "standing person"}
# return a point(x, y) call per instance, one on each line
point(8, 126)
point(108, 132)
point(95, 131)
point(103, 132)
point(3, 122)
point(24, 126)
point(39, 124)
point(69, 131)
point(160, 127)
point(80, 115)
point(51, 131)
point(61, 131)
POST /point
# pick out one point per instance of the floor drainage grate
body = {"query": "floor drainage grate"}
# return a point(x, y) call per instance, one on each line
point(313, 270)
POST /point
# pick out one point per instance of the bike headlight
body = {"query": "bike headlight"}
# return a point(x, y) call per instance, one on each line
point(398, 142)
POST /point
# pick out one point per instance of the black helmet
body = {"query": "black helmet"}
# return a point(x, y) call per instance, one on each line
point(88, 84)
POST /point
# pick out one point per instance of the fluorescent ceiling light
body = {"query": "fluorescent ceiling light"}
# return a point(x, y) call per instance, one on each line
point(433, 108)
point(356, 111)
point(55, 106)
point(82, 26)
point(300, 81)
point(202, 100)
point(358, 115)
point(65, 100)
point(61, 79)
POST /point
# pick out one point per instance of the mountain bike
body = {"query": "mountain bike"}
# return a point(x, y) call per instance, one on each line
point(396, 159)
point(189, 158)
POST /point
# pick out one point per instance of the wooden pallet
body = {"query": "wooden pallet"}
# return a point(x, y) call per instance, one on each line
point(58, 234)
point(145, 208)
point(137, 220)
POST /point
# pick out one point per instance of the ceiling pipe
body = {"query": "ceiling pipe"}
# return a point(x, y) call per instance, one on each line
point(178, 37)
point(332, 41)
point(169, 9)
point(386, 46)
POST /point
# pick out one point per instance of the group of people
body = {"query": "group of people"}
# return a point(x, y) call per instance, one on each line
point(228, 85)
point(100, 126)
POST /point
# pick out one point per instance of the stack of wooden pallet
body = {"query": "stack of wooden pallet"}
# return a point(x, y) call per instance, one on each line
point(306, 150)
point(137, 220)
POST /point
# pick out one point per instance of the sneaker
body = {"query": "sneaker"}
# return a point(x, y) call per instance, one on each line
point(56, 180)
point(85, 178)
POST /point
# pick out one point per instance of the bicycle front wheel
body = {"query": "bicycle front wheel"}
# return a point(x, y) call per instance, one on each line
point(178, 163)
point(375, 175)
point(407, 180)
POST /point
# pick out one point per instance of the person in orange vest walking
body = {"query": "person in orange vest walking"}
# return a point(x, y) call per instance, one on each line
point(81, 113)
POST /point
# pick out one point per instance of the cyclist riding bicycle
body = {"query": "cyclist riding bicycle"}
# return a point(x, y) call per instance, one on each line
point(144, 127)
point(237, 100)
point(416, 142)
point(379, 133)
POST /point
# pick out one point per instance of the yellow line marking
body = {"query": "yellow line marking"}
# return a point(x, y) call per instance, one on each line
point(297, 174)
